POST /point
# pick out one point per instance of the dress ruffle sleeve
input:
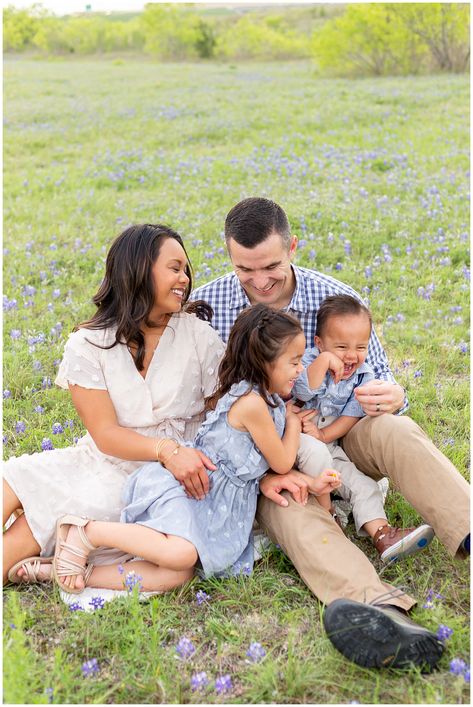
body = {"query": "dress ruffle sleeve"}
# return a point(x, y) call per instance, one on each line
point(81, 363)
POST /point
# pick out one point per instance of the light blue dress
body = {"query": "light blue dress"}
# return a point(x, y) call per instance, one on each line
point(220, 525)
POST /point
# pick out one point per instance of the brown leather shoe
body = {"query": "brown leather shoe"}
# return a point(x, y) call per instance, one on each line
point(394, 543)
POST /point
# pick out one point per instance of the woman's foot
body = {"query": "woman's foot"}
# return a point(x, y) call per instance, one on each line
point(31, 570)
point(70, 568)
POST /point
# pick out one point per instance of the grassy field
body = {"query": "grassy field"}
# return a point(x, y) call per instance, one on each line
point(374, 176)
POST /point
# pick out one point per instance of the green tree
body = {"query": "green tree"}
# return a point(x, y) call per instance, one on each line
point(369, 39)
point(170, 31)
point(20, 26)
point(250, 38)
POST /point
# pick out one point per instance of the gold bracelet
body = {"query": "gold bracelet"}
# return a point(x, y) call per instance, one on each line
point(159, 446)
point(174, 451)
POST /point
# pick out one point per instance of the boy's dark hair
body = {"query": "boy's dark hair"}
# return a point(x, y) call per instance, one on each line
point(253, 220)
point(336, 306)
point(257, 338)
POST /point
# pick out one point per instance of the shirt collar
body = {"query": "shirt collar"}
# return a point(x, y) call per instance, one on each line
point(298, 303)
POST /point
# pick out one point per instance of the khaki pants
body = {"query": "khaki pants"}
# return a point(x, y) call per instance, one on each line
point(388, 445)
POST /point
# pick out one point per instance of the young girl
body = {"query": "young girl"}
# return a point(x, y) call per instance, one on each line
point(334, 368)
point(248, 429)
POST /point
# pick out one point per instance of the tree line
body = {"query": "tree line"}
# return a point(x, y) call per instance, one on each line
point(344, 40)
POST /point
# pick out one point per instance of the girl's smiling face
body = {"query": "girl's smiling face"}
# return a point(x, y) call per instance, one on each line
point(287, 367)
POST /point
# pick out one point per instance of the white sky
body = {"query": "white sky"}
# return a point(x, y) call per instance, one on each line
point(63, 7)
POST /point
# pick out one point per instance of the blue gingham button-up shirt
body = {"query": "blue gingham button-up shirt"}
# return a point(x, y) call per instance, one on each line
point(227, 298)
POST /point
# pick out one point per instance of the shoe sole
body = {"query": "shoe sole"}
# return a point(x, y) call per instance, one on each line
point(416, 541)
point(370, 638)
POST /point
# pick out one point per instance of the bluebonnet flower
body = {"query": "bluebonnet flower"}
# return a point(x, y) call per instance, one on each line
point(56, 294)
point(97, 602)
point(338, 266)
point(28, 290)
point(46, 383)
point(466, 675)
point(312, 254)
point(46, 444)
point(347, 247)
point(199, 681)
point(185, 648)
point(69, 423)
point(5, 439)
point(90, 667)
point(457, 666)
point(50, 694)
point(202, 596)
point(223, 684)
point(444, 632)
point(6, 394)
point(39, 409)
point(121, 569)
point(417, 374)
point(37, 365)
point(431, 596)
point(76, 606)
point(15, 334)
point(463, 346)
point(132, 580)
point(12, 625)
point(20, 427)
point(57, 428)
point(255, 652)
point(9, 304)
point(368, 271)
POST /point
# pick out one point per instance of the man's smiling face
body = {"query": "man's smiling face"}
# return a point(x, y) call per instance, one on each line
point(265, 271)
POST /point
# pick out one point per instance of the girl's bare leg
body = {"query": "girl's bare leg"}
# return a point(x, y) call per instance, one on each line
point(153, 578)
point(10, 502)
point(18, 543)
point(169, 551)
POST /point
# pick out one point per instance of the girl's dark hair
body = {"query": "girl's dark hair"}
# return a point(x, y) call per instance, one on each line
point(257, 338)
point(126, 296)
point(336, 306)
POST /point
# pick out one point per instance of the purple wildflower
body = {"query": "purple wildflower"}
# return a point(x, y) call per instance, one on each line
point(368, 271)
point(50, 694)
point(46, 444)
point(46, 383)
point(417, 374)
point(429, 600)
point(39, 409)
point(97, 602)
point(463, 346)
point(132, 580)
point(457, 666)
point(37, 365)
point(20, 427)
point(15, 333)
point(444, 632)
point(199, 681)
point(255, 652)
point(76, 606)
point(90, 667)
point(57, 428)
point(121, 569)
point(185, 648)
point(6, 394)
point(56, 294)
point(202, 596)
point(338, 266)
point(466, 675)
point(223, 684)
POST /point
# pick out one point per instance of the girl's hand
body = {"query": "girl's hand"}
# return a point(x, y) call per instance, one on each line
point(292, 416)
point(327, 481)
point(310, 428)
point(189, 466)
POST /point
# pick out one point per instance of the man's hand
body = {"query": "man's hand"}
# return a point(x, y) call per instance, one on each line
point(271, 486)
point(378, 397)
point(189, 466)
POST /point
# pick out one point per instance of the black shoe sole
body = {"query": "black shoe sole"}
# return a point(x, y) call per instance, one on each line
point(371, 638)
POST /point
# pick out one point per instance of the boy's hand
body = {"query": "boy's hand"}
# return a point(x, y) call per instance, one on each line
point(334, 365)
point(327, 481)
point(310, 428)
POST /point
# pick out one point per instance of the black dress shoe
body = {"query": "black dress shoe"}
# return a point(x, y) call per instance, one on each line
point(380, 636)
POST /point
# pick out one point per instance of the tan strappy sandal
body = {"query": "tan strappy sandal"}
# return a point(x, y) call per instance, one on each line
point(32, 567)
point(65, 567)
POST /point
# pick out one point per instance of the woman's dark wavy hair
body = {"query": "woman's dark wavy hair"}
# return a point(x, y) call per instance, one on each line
point(257, 338)
point(126, 296)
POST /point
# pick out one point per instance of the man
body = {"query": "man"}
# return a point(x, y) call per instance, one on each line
point(365, 618)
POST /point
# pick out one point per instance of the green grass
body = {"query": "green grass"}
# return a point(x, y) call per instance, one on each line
point(90, 147)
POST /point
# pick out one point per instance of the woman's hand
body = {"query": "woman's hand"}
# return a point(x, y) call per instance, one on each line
point(327, 481)
point(189, 466)
point(271, 486)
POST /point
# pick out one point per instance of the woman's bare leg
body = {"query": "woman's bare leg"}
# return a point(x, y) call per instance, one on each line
point(18, 543)
point(153, 578)
point(10, 502)
point(169, 551)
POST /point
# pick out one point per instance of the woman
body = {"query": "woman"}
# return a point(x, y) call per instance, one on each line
point(138, 372)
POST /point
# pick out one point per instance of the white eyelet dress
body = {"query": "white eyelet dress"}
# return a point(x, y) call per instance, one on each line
point(169, 401)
